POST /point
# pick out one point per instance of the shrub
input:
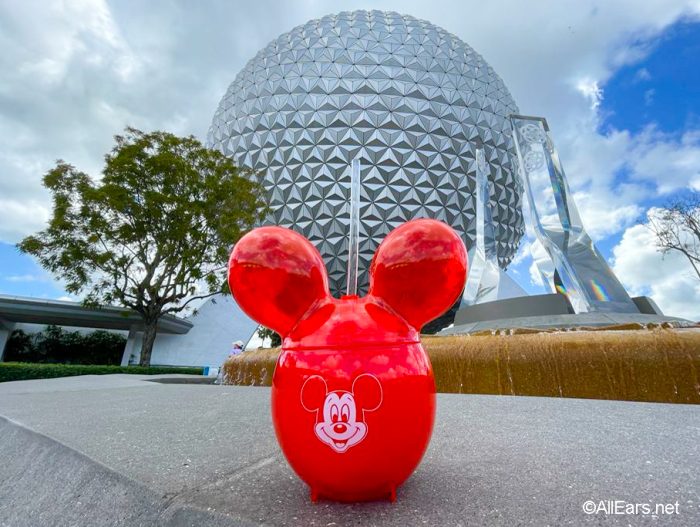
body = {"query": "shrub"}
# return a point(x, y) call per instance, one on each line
point(56, 345)
point(19, 371)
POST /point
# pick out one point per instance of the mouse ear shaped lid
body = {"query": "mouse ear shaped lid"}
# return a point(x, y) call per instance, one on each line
point(275, 276)
point(419, 270)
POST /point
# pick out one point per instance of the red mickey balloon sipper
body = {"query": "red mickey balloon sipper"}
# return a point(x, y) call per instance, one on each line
point(353, 394)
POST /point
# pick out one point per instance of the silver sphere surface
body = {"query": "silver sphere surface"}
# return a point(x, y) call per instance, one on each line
point(407, 97)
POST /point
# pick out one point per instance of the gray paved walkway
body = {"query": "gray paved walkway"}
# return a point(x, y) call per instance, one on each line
point(119, 450)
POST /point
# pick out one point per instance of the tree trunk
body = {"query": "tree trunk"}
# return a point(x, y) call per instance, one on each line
point(149, 337)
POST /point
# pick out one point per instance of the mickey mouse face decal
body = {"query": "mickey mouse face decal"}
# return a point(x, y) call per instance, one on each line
point(342, 420)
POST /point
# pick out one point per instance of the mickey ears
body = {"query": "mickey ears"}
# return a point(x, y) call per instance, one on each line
point(367, 391)
point(313, 393)
point(419, 270)
point(275, 275)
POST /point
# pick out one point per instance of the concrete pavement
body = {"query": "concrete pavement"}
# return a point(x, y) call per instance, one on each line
point(121, 450)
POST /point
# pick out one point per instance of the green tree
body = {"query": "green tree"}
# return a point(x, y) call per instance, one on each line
point(154, 233)
point(266, 333)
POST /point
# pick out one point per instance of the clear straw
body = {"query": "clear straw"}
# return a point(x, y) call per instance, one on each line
point(354, 241)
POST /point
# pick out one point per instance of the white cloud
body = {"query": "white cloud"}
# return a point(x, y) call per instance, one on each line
point(590, 90)
point(522, 254)
point(666, 162)
point(78, 31)
point(668, 279)
point(642, 75)
point(535, 276)
point(66, 298)
point(27, 278)
point(23, 216)
point(541, 263)
point(649, 96)
point(603, 217)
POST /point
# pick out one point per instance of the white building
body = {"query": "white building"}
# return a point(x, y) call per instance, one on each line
point(217, 324)
point(202, 339)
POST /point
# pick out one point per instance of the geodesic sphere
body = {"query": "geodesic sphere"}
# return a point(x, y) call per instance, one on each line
point(408, 98)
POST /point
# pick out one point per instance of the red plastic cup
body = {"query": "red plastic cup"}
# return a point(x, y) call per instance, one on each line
point(353, 394)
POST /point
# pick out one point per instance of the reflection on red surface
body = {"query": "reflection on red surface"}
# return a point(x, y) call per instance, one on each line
point(336, 352)
point(277, 275)
point(419, 269)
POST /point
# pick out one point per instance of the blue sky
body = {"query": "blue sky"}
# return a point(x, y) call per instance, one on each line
point(664, 88)
point(23, 277)
point(617, 81)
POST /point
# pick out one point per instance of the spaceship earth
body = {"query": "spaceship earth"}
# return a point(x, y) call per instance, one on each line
point(408, 98)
